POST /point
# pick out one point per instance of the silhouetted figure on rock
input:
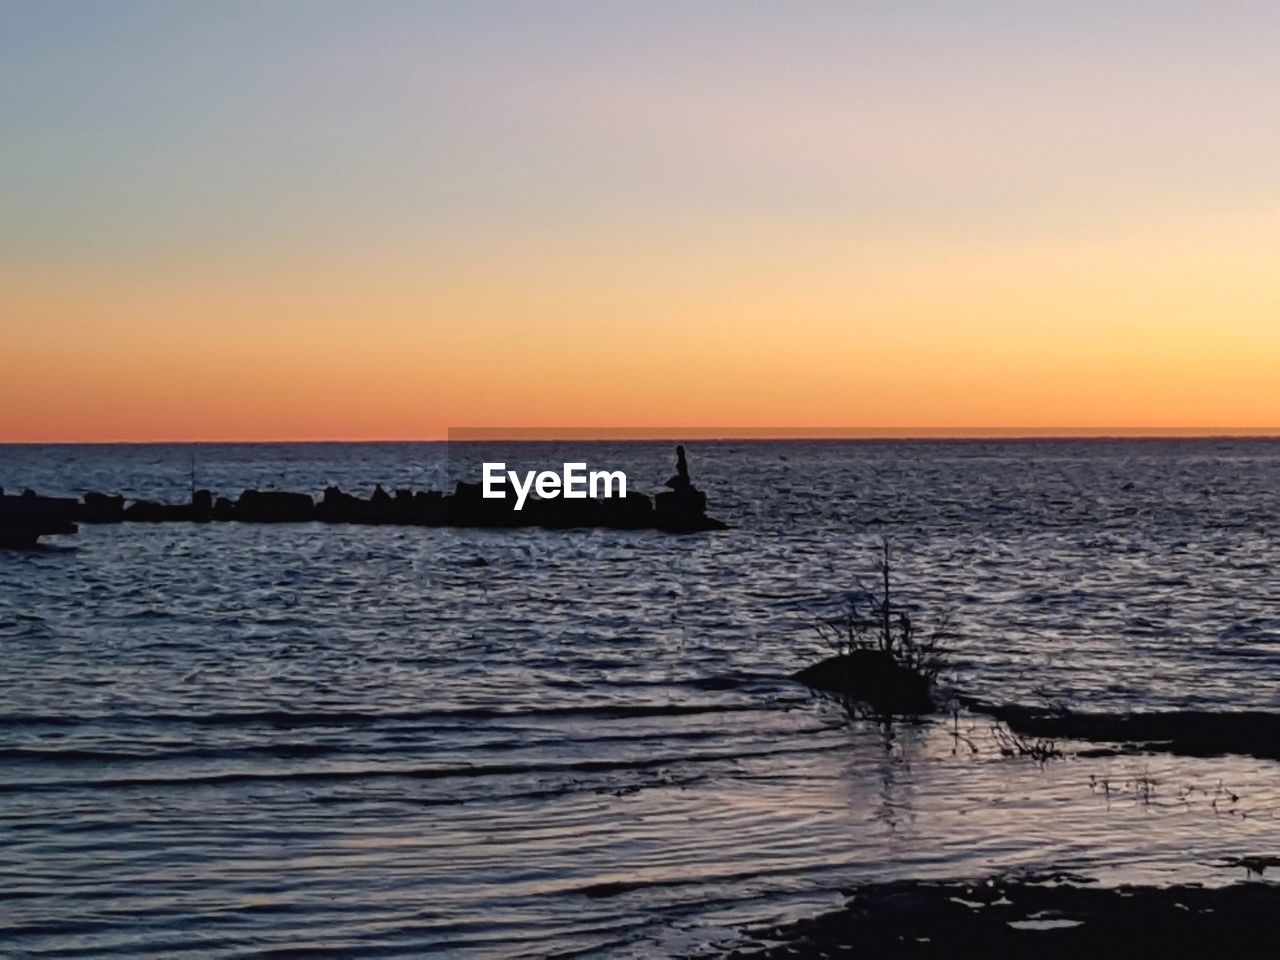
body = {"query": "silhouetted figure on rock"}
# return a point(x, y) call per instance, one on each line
point(683, 508)
point(681, 480)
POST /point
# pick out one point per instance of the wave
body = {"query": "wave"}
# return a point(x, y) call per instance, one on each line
point(345, 718)
point(413, 773)
point(161, 753)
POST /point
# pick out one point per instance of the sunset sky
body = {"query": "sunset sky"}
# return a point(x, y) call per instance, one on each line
point(377, 220)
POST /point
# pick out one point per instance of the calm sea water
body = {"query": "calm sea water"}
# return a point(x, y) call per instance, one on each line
point(237, 740)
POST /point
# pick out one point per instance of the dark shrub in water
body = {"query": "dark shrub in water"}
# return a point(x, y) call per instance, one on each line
point(880, 662)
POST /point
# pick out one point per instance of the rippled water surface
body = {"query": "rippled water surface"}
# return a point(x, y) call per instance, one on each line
point(233, 739)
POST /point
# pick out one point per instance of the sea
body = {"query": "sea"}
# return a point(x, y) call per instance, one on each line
point(231, 740)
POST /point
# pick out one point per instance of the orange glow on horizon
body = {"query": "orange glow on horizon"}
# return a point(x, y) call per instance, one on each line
point(1093, 336)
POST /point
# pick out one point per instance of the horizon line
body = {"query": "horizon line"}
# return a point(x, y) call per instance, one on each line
point(641, 434)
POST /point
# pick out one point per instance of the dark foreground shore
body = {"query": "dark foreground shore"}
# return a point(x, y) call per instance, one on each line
point(1045, 920)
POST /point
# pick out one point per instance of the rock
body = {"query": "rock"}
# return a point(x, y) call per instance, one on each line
point(101, 508)
point(255, 506)
point(24, 519)
point(632, 512)
point(1191, 733)
point(464, 490)
point(202, 504)
point(429, 508)
point(559, 513)
point(148, 511)
point(468, 508)
point(339, 507)
point(874, 678)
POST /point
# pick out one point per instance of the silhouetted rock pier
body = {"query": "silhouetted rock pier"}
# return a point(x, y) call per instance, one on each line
point(27, 518)
point(682, 509)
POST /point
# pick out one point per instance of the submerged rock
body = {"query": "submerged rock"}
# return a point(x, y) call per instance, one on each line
point(874, 678)
point(1192, 733)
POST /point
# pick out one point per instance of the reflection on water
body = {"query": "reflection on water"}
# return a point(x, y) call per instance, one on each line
point(218, 739)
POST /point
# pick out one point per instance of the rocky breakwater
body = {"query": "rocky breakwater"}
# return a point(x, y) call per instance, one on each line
point(25, 519)
point(682, 508)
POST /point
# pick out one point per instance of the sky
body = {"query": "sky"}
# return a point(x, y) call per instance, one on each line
point(381, 220)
